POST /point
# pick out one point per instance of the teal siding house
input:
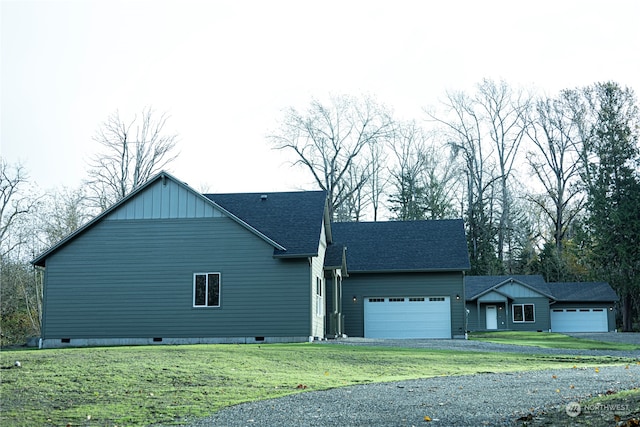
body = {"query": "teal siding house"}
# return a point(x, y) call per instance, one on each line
point(169, 265)
point(528, 303)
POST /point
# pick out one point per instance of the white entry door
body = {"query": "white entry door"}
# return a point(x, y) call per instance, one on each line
point(407, 317)
point(492, 317)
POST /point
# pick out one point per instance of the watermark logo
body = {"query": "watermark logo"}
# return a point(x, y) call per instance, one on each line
point(573, 409)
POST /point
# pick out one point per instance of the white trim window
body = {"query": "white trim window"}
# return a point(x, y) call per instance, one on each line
point(523, 313)
point(206, 289)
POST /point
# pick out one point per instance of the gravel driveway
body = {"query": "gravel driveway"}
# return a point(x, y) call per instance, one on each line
point(471, 400)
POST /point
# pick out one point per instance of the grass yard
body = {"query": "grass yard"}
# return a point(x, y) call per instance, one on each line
point(549, 340)
point(169, 384)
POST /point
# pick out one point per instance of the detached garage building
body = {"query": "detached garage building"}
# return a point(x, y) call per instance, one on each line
point(406, 278)
point(528, 303)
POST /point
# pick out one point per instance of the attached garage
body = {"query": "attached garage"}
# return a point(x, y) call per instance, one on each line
point(407, 317)
point(579, 320)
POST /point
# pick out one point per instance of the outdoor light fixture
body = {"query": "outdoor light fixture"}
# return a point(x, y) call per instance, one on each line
point(458, 297)
point(355, 299)
point(610, 308)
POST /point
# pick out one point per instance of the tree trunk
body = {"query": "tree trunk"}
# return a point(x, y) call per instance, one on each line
point(627, 312)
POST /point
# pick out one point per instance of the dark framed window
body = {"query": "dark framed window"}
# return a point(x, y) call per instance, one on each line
point(206, 290)
point(523, 313)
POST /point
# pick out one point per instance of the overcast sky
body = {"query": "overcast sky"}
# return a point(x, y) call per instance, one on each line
point(224, 70)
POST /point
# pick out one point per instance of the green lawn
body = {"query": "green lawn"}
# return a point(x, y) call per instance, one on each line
point(549, 340)
point(165, 384)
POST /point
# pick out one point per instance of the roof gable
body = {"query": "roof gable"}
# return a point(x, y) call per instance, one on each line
point(146, 202)
point(165, 198)
point(478, 286)
point(438, 245)
point(293, 219)
point(516, 285)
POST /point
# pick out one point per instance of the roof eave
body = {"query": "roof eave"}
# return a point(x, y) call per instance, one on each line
point(294, 255)
point(429, 270)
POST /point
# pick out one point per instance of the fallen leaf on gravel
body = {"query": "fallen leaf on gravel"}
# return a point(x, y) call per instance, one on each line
point(527, 417)
point(427, 418)
point(572, 386)
point(557, 390)
point(554, 376)
point(597, 370)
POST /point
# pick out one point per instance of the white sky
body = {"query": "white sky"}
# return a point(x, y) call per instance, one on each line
point(224, 70)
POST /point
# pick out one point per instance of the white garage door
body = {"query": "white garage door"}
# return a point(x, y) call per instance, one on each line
point(579, 320)
point(407, 317)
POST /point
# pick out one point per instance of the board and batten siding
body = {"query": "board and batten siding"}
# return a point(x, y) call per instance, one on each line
point(165, 199)
point(362, 285)
point(131, 278)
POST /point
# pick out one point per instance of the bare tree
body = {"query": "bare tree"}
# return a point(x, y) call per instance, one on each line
point(441, 182)
point(20, 291)
point(13, 206)
point(133, 151)
point(62, 213)
point(408, 146)
point(555, 163)
point(377, 180)
point(504, 112)
point(463, 128)
point(328, 139)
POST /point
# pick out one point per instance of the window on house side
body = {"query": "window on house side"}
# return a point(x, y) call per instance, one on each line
point(523, 313)
point(206, 290)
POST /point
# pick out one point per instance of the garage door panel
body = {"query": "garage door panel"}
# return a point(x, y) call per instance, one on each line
point(579, 320)
point(407, 317)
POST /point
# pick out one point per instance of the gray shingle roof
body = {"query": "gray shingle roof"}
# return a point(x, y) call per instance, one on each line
point(403, 245)
point(582, 291)
point(335, 257)
point(292, 219)
point(560, 291)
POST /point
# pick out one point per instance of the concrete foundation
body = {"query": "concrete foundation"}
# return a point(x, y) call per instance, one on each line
point(109, 342)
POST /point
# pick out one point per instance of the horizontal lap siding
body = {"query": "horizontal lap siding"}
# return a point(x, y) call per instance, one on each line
point(401, 285)
point(472, 318)
point(542, 317)
point(128, 279)
point(477, 320)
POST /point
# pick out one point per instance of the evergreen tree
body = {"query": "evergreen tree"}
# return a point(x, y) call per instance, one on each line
point(611, 166)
